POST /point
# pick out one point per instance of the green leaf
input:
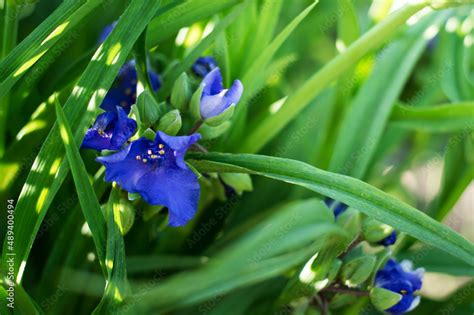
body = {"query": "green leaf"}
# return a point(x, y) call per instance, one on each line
point(256, 72)
point(117, 287)
point(137, 264)
point(273, 124)
point(174, 16)
point(66, 17)
point(458, 172)
point(384, 299)
point(365, 122)
point(435, 260)
point(87, 198)
point(49, 170)
point(439, 118)
point(197, 51)
point(288, 237)
point(353, 192)
point(20, 299)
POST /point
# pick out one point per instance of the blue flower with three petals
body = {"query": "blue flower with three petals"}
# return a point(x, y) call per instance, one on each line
point(111, 130)
point(400, 278)
point(157, 171)
point(124, 90)
point(215, 99)
point(203, 65)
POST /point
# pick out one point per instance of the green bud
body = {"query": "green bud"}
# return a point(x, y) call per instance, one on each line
point(350, 221)
point(383, 299)
point(375, 231)
point(149, 134)
point(209, 133)
point(148, 109)
point(357, 270)
point(334, 269)
point(221, 118)
point(170, 123)
point(196, 103)
point(133, 196)
point(127, 216)
point(240, 182)
point(181, 93)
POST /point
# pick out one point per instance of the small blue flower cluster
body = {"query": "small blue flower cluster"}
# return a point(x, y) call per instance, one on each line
point(155, 169)
point(395, 277)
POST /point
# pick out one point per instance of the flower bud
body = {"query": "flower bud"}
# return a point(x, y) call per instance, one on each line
point(209, 133)
point(221, 118)
point(375, 231)
point(195, 105)
point(148, 109)
point(170, 123)
point(357, 270)
point(239, 182)
point(384, 299)
point(181, 93)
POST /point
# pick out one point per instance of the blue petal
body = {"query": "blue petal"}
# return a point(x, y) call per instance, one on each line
point(124, 129)
point(178, 144)
point(99, 136)
point(124, 168)
point(94, 140)
point(213, 83)
point(203, 65)
point(123, 91)
point(404, 288)
point(172, 187)
point(234, 94)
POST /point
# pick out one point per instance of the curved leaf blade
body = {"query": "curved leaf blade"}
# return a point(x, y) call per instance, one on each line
point(363, 197)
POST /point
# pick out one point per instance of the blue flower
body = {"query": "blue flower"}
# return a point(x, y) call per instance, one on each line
point(389, 240)
point(157, 171)
point(337, 207)
point(124, 90)
point(110, 131)
point(203, 65)
point(215, 100)
point(400, 278)
point(106, 32)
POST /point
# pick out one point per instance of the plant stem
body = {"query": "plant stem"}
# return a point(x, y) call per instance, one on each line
point(353, 245)
point(196, 127)
point(346, 290)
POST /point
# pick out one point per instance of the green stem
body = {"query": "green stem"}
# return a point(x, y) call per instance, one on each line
point(9, 36)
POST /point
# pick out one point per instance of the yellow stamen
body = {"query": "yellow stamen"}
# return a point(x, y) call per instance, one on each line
point(161, 152)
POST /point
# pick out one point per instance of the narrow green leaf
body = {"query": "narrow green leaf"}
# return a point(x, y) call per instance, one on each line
point(365, 122)
point(197, 51)
point(117, 287)
point(136, 264)
point(363, 197)
point(177, 15)
point(256, 72)
point(49, 170)
point(287, 238)
point(68, 15)
point(458, 173)
point(274, 123)
point(87, 198)
point(439, 118)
